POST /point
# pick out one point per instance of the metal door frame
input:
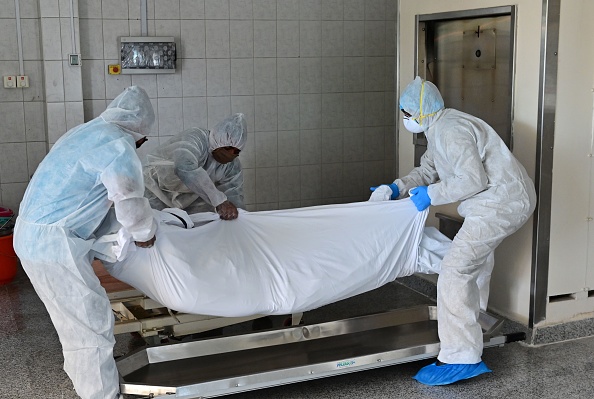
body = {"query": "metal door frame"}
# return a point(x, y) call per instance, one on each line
point(543, 179)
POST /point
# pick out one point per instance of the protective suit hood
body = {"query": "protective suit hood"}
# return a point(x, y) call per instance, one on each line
point(230, 132)
point(422, 100)
point(132, 111)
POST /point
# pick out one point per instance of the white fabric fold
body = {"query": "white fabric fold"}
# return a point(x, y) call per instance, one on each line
point(186, 220)
point(114, 247)
point(382, 193)
point(433, 247)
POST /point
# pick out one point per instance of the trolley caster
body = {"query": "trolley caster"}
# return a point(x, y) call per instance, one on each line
point(288, 322)
point(262, 323)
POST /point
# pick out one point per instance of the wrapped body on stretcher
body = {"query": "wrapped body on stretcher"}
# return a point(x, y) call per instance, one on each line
point(273, 262)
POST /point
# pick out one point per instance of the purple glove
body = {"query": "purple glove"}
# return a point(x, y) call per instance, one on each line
point(421, 199)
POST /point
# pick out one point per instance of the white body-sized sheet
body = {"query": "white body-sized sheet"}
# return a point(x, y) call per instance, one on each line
point(276, 262)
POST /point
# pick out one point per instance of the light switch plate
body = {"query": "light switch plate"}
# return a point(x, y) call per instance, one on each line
point(22, 81)
point(10, 82)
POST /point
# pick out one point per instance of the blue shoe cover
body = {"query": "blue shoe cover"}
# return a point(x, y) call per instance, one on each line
point(449, 373)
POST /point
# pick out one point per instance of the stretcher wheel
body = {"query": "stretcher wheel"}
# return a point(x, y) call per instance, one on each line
point(217, 332)
point(288, 322)
point(262, 323)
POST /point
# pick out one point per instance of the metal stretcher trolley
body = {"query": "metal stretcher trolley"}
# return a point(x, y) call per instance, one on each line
point(224, 365)
point(230, 364)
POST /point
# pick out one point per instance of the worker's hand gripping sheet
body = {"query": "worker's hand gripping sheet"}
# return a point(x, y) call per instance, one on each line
point(275, 262)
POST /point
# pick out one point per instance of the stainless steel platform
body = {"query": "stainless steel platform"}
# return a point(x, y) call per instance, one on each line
point(231, 364)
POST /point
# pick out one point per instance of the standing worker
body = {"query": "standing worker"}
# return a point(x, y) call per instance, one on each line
point(91, 167)
point(198, 170)
point(465, 161)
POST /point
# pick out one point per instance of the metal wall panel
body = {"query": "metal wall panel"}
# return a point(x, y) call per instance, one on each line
point(470, 59)
point(571, 249)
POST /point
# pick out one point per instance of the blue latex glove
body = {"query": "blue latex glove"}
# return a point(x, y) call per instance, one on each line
point(419, 196)
point(449, 373)
point(393, 187)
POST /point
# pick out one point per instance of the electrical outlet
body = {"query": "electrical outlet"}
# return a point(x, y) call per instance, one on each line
point(22, 81)
point(10, 82)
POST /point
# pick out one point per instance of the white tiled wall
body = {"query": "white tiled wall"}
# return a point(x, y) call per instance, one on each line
point(314, 78)
point(23, 139)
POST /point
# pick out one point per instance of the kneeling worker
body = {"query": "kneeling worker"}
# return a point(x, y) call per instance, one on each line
point(198, 170)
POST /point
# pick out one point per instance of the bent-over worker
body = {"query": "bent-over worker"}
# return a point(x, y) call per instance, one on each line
point(89, 169)
point(465, 161)
point(198, 170)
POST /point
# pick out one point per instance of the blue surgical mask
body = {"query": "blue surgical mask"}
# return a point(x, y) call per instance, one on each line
point(412, 125)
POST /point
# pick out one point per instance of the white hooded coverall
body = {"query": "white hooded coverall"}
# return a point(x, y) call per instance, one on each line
point(466, 161)
point(182, 173)
point(90, 168)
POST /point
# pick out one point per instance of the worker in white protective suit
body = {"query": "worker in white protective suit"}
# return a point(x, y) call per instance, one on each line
point(465, 161)
point(198, 170)
point(89, 169)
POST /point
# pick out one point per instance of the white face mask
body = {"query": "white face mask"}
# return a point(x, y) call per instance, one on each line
point(412, 126)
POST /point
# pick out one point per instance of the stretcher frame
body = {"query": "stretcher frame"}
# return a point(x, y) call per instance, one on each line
point(226, 365)
point(134, 312)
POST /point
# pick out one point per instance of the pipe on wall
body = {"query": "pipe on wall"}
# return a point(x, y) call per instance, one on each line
point(19, 36)
point(143, 18)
